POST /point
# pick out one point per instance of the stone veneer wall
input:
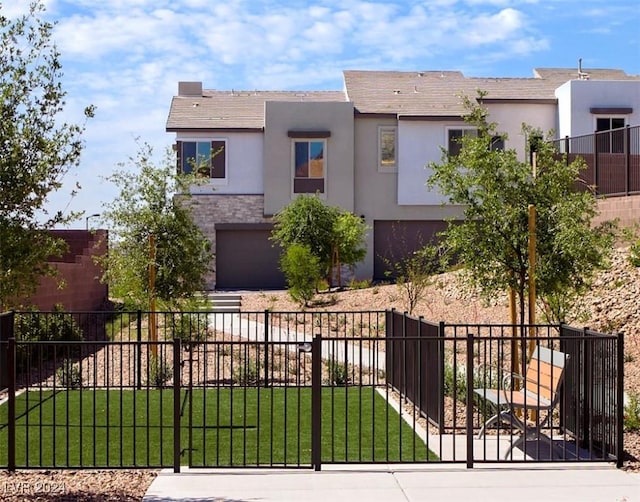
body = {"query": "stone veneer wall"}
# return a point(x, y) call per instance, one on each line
point(211, 209)
point(625, 209)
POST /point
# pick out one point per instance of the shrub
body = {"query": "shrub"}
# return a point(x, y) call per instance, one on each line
point(190, 327)
point(337, 373)
point(159, 372)
point(68, 375)
point(302, 271)
point(632, 413)
point(246, 374)
point(634, 254)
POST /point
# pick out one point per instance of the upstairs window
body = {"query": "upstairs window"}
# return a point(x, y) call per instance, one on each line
point(309, 166)
point(454, 137)
point(610, 134)
point(387, 147)
point(206, 158)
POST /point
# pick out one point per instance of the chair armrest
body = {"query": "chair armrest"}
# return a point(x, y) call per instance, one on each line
point(508, 379)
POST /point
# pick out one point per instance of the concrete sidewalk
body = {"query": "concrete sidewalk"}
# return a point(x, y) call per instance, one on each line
point(402, 483)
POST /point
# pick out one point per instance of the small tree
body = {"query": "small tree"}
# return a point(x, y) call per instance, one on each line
point(414, 273)
point(152, 201)
point(496, 190)
point(36, 151)
point(326, 230)
point(302, 272)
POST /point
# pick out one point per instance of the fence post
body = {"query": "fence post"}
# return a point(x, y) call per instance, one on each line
point(176, 403)
point(11, 390)
point(266, 348)
point(567, 148)
point(620, 401)
point(469, 400)
point(316, 402)
point(441, 346)
point(139, 349)
point(627, 157)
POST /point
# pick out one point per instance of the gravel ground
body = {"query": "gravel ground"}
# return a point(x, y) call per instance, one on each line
point(611, 306)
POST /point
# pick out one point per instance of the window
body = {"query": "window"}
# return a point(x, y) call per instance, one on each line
point(454, 137)
point(309, 166)
point(387, 141)
point(208, 158)
point(613, 141)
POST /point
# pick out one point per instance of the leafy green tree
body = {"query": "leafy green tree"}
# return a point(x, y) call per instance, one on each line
point(328, 231)
point(152, 202)
point(302, 272)
point(36, 151)
point(496, 190)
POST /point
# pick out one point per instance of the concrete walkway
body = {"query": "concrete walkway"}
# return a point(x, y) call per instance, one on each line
point(391, 483)
point(334, 349)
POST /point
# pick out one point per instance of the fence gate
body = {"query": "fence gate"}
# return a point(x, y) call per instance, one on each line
point(247, 403)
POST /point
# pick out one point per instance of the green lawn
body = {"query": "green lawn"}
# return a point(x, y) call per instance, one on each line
point(230, 426)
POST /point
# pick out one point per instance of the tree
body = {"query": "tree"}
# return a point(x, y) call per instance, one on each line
point(36, 152)
point(152, 202)
point(496, 190)
point(326, 230)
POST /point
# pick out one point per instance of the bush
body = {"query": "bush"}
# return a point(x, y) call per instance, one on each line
point(68, 375)
point(159, 372)
point(632, 413)
point(190, 327)
point(337, 373)
point(246, 374)
point(302, 271)
point(47, 327)
point(634, 254)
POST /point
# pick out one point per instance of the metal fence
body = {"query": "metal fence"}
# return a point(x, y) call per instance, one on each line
point(287, 389)
point(612, 158)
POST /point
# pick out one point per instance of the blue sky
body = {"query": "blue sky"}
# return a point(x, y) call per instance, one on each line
point(127, 56)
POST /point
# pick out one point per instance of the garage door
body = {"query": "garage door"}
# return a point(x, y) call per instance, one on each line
point(246, 258)
point(394, 240)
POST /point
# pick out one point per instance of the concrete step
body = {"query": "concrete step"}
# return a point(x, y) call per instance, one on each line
point(223, 302)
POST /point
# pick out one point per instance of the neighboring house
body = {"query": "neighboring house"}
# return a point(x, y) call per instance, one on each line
point(364, 149)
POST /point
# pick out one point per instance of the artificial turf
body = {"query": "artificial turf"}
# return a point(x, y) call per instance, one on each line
point(218, 427)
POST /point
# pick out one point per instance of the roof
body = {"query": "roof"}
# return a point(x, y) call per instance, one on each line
point(409, 94)
point(235, 109)
point(437, 93)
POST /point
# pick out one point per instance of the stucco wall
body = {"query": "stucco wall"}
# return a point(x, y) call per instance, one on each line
point(577, 97)
point(282, 117)
point(244, 162)
point(625, 209)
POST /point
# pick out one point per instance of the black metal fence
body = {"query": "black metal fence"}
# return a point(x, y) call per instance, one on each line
point(293, 389)
point(452, 360)
point(612, 158)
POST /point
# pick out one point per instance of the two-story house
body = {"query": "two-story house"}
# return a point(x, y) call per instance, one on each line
point(364, 149)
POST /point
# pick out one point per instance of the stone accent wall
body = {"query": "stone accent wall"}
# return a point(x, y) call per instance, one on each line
point(211, 209)
point(626, 209)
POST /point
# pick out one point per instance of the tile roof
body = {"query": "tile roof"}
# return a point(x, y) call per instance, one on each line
point(416, 93)
point(437, 93)
point(234, 109)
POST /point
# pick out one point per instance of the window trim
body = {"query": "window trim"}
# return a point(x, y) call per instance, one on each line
point(607, 137)
point(209, 139)
point(324, 142)
point(391, 168)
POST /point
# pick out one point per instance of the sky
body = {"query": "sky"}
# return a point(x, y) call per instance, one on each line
point(126, 57)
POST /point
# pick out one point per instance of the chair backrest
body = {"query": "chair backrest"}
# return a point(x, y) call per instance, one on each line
point(545, 372)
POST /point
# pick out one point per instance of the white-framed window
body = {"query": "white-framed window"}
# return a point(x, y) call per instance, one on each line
point(610, 134)
point(205, 157)
point(454, 137)
point(387, 148)
point(309, 165)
